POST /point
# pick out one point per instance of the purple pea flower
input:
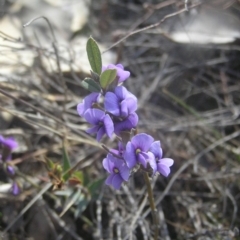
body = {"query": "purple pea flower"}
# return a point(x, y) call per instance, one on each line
point(118, 170)
point(121, 103)
point(127, 124)
point(122, 75)
point(137, 150)
point(101, 121)
point(87, 103)
point(9, 143)
point(120, 150)
point(162, 164)
point(15, 189)
point(10, 170)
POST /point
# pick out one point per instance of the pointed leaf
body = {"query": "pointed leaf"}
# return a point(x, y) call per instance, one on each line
point(94, 56)
point(72, 200)
point(91, 85)
point(66, 164)
point(82, 204)
point(107, 77)
point(94, 187)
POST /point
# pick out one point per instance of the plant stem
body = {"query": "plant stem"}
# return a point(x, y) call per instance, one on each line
point(152, 204)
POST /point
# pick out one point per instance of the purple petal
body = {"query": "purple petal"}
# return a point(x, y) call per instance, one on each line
point(163, 169)
point(108, 124)
point(119, 65)
point(142, 141)
point(92, 129)
point(10, 170)
point(15, 189)
point(87, 103)
point(124, 172)
point(156, 149)
point(117, 181)
point(142, 160)
point(124, 108)
point(166, 161)
point(132, 105)
point(130, 155)
point(108, 181)
point(93, 116)
point(111, 103)
point(80, 109)
point(127, 124)
point(123, 75)
point(108, 164)
point(152, 162)
point(100, 133)
point(121, 92)
point(9, 143)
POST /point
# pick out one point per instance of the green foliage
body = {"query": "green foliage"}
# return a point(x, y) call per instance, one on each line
point(94, 56)
point(107, 77)
point(66, 164)
point(91, 85)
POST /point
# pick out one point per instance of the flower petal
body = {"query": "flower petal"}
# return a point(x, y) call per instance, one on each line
point(132, 104)
point(127, 124)
point(108, 125)
point(142, 141)
point(122, 75)
point(152, 162)
point(80, 109)
point(117, 181)
point(93, 116)
point(121, 92)
point(109, 179)
point(124, 109)
point(119, 65)
point(100, 133)
point(163, 169)
point(111, 103)
point(92, 129)
point(108, 165)
point(141, 159)
point(130, 155)
point(156, 149)
point(124, 172)
point(166, 161)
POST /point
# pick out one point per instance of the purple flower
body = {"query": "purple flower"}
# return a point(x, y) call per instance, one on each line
point(9, 143)
point(127, 124)
point(122, 75)
point(121, 103)
point(87, 103)
point(102, 123)
point(15, 189)
point(162, 165)
point(10, 170)
point(120, 150)
point(137, 150)
point(118, 170)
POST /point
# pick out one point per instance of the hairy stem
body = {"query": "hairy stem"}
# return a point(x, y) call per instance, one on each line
point(152, 204)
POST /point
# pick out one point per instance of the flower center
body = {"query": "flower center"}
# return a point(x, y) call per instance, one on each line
point(138, 151)
point(116, 170)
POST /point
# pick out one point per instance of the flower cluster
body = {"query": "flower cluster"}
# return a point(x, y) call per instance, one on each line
point(7, 145)
point(113, 110)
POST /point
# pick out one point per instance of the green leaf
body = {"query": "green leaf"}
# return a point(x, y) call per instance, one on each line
point(79, 175)
point(74, 198)
point(94, 56)
point(107, 77)
point(66, 164)
point(82, 204)
point(94, 187)
point(91, 85)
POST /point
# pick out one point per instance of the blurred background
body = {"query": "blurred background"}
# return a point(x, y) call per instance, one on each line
point(185, 71)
